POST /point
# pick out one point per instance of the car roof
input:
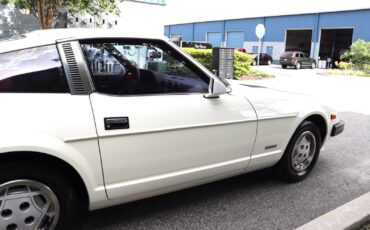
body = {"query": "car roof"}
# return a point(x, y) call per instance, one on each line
point(51, 36)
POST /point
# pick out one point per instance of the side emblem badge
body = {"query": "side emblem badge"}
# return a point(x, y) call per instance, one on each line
point(270, 147)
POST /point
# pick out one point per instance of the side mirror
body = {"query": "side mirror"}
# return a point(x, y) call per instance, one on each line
point(216, 88)
point(155, 55)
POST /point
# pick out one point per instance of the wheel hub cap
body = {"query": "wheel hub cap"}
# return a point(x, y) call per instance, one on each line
point(303, 151)
point(26, 204)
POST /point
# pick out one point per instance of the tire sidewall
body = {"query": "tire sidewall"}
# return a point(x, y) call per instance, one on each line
point(285, 166)
point(55, 181)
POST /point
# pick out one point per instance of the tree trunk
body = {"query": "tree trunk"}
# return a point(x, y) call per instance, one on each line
point(47, 11)
point(41, 13)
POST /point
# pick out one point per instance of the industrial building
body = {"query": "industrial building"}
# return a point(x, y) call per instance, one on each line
point(321, 35)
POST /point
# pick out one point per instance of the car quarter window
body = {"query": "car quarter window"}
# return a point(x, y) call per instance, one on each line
point(35, 70)
point(137, 67)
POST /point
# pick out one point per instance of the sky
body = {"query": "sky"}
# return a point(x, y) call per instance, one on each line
point(182, 11)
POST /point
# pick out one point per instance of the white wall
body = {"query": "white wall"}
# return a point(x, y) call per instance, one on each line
point(141, 16)
point(134, 17)
point(14, 22)
point(278, 48)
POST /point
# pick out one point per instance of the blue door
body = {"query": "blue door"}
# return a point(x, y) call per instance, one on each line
point(269, 50)
point(254, 49)
point(214, 38)
point(235, 39)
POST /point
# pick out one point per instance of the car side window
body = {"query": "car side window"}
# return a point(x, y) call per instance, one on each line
point(297, 55)
point(35, 70)
point(137, 67)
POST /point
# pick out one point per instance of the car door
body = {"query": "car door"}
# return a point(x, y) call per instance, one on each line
point(307, 59)
point(264, 59)
point(157, 132)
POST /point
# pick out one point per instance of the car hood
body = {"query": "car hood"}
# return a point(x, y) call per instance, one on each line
point(269, 103)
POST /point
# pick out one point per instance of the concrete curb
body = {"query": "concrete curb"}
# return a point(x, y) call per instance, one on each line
point(348, 216)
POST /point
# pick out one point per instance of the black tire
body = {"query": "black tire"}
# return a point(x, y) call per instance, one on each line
point(313, 65)
point(286, 169)
point(69, 204)
point(284, 66)
point(298, 65)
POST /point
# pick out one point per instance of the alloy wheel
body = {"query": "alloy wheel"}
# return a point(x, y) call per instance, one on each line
point(303, 152)
point(27, 204)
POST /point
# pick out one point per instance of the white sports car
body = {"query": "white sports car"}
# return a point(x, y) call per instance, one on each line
point(91, 119)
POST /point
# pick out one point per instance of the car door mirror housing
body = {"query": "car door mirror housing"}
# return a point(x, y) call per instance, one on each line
point(216, 88)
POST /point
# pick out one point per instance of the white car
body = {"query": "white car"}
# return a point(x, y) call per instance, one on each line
point(95, 118)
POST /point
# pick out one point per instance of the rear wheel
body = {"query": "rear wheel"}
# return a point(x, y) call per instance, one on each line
point(298, 65)
point(284, 66)
point(35, 197)
point(301, 153)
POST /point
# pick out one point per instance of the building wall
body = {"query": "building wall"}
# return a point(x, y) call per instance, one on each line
point(358, 20)
point(276, 28)
point(201, 29)
point(14, 22)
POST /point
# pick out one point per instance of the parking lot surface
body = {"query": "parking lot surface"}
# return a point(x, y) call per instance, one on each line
point(257, 200)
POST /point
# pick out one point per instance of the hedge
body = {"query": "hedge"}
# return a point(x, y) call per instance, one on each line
point(359, 54)
point(242, 61)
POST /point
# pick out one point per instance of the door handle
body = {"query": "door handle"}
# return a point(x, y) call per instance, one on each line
point(112, 123)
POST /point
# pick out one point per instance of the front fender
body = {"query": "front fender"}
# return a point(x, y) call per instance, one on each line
point(83, 156)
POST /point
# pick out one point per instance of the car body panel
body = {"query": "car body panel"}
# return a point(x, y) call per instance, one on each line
point(265, 59)
point(163, 132)
point(291, 58)
point(60, 125)
point(279, 114)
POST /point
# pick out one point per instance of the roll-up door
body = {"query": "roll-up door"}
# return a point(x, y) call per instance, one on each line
point(235, 39)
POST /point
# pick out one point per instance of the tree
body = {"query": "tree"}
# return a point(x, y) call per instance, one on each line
point(46, 10)
point(359, 54)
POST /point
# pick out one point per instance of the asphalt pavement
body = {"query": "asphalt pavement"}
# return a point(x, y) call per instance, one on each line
point(257, 200)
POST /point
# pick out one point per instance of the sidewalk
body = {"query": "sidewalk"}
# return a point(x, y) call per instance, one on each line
point(348, 216)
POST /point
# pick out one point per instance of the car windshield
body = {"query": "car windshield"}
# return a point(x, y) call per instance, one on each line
point(287, 54)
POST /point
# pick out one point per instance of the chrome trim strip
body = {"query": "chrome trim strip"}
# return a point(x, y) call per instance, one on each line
point(76, 139)
point(176, 128)
point(87, 138)
point(265, 154)
point(278, 116)
point(174, 174)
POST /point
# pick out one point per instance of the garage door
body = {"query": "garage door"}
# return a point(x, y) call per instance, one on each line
point(235, 39)
point(214, 38)
point(298, 40)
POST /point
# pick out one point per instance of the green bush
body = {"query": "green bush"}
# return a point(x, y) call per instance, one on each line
point(242, 64)
point(344, 65)
point(242, 61)
point(359, 54)
point(203, 56)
